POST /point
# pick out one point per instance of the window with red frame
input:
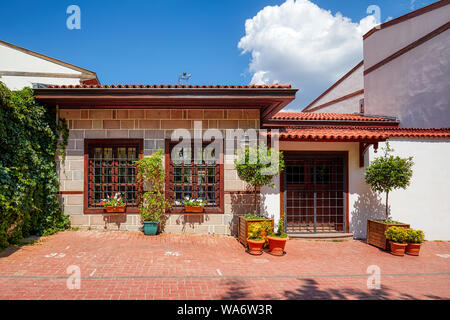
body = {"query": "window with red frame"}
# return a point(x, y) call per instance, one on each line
point(111, 169)
point(194, 179)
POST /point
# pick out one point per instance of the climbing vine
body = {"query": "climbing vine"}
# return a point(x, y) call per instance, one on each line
point(63, 132)
point(28, 177)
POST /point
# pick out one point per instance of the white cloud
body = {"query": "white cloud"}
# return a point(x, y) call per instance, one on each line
point(304, 45)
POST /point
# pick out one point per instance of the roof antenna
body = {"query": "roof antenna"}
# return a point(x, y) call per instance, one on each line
point(184, 77)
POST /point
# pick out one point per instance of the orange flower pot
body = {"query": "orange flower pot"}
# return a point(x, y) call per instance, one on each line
point(255, 246)
point(111, 209)
point(397, 249)
point(193, 209)
point(413, 249)
point(276, 245)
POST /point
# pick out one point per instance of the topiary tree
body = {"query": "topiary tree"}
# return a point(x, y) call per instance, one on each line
point(257, 166)
point(388, 173)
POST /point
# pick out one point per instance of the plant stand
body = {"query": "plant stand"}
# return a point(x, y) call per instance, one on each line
point(375, 233)
point(244, 226)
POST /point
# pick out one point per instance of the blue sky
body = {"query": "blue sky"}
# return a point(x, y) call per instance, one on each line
point(146, 42)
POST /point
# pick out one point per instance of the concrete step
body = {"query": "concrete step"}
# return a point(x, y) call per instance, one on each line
point(322, 236)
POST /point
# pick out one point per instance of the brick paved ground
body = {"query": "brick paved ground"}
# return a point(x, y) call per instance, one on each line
point(129, 265)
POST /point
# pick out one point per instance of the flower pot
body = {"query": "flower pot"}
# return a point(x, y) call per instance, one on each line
point(111, 209)
point(397, 249)
point(255, 246)
point(150, 227)
point(193, 209)
point(413, 249)
point(276, 245)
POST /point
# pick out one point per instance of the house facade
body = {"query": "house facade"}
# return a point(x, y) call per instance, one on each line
point(321, 191)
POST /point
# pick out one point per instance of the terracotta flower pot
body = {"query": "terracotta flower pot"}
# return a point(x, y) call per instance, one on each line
point(193, 209)
point(413, 249)
point(255, 246)
point(397, 249)
point(276, 245)
point(111, 209)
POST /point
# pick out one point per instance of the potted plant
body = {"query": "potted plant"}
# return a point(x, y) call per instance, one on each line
point(277, 240)
point(248, 220)
point(113, 204)
point(153, 203)
point(397, 237)
point(257, 166)
point(256, 240)
point(385, 174)
point(194, 205)
point(414, 239)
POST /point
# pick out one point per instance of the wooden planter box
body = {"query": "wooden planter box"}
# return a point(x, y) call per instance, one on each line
point(115, 209)
point(244, 226)
point(193, 209)
point(375, 233)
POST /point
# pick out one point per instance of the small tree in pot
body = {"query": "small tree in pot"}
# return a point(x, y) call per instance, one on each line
point(386, 174)
point(257, 166)
point(414, 239)
point(153, 204)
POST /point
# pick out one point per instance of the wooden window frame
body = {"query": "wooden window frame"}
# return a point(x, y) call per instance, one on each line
point(87, 142)
point(177, 210)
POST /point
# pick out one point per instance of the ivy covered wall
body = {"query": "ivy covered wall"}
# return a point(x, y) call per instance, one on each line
point(28, 178)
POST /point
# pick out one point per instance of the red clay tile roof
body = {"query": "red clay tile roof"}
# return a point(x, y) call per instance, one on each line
point(328, 117)
point(358, 133)
point(163, 86)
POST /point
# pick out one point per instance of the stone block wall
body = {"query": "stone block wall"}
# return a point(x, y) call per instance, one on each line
point(153, 126)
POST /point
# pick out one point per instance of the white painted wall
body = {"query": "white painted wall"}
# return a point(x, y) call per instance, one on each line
point(17, 83)
point(15, 60)
point(352, 83)
point(425, 204)
point(385, 42)
point(414, 87)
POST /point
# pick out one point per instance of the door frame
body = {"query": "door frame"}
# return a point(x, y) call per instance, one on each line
point(290, 155)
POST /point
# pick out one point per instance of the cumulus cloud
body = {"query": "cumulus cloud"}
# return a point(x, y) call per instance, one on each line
point(304, 45)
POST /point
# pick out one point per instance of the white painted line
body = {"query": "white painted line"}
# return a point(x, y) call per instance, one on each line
point(443, 255)
point(67, 247)
point(92, 273)
point(220, 273)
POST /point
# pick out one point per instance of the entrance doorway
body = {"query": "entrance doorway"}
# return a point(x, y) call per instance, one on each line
point(315, 192)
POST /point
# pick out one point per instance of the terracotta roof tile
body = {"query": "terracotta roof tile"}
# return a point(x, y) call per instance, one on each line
point(164, 86)
point(358, 133)
point(328, 117)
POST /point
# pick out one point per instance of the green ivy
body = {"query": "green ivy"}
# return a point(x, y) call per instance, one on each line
point(28, 178)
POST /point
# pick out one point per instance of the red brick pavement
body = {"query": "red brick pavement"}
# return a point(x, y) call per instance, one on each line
point(129, 265)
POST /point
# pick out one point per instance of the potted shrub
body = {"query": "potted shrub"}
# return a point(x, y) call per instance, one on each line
point(256, 239)
point(414, 239)
point(397, 238)
point(153, 203)
point(113, 204)
point(385, 174)
point(257, 166)
point(248, 220)
point(277, 240)
point(194, 205)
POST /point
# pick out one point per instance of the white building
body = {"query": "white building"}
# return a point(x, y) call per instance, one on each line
point(20, 68)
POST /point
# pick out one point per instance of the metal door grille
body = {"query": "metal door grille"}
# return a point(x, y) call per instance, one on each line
point(315, 194)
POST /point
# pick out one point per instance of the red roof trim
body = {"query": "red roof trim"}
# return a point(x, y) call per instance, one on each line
point(328, 116)
point(170, 86)
point(407, 16)
point(358, 133)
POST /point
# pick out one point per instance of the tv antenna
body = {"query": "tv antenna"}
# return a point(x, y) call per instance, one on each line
point(184, 77)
